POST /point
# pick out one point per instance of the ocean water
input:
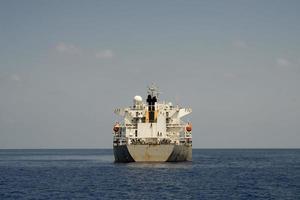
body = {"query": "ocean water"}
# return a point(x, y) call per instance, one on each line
point(92, 174)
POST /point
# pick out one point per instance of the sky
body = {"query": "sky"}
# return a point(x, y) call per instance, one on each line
point(65, 65)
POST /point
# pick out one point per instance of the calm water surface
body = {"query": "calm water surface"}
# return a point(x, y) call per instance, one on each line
point(92, 174)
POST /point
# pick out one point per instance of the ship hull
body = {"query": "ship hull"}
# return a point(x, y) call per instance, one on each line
point(152, 153)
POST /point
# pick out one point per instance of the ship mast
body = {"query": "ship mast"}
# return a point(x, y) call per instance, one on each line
point(153, 91)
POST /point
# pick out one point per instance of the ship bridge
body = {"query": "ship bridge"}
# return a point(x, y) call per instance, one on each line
point(153, 122)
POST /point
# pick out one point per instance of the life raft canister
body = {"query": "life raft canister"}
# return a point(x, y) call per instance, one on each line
point(188, 127)
point(116, 127)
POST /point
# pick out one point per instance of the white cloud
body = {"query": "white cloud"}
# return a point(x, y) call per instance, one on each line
point(67, 48)
point(71, 49)
point(230, 75)
point(240, 44)
point(105, 54)
point(15, 77)
point(282, 62)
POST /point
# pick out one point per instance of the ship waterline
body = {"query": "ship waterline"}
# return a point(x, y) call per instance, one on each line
point(153, 153)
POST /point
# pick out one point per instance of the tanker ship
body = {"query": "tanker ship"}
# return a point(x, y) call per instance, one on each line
point(152, 131)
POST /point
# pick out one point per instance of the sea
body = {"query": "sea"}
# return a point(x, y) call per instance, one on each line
point(92, 174)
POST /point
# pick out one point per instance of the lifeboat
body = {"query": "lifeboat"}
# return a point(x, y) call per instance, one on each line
point(116, 127)
point(188, 127)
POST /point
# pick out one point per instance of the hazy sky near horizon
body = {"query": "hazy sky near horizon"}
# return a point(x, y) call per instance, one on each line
point(66, 65)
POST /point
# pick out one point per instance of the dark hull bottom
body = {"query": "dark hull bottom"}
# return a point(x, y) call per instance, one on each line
point(152, 153)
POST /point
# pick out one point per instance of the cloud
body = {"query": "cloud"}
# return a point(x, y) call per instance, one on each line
point(282, 62)
point(107, 54)
point(230, 75)
point(71, 49)
point(240, 44)
point(15, 77)
point(67, 48)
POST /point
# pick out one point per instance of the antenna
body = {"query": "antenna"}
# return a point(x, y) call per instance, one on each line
point(153, 90)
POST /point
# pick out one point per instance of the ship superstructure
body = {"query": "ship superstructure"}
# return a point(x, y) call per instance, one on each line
point(152, 131)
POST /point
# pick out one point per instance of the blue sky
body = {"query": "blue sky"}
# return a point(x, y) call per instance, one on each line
point(65, 66)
